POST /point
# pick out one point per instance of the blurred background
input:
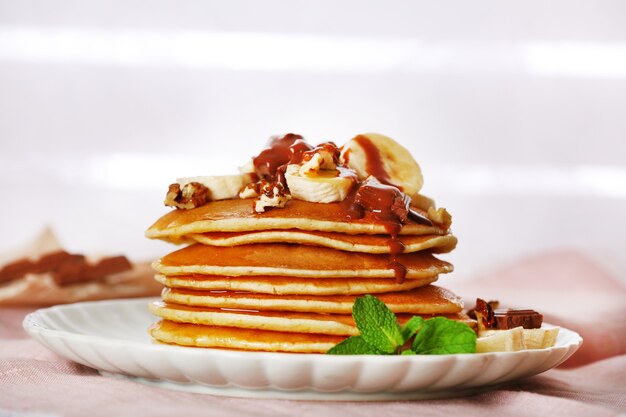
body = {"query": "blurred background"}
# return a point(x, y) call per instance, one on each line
point(516, 111)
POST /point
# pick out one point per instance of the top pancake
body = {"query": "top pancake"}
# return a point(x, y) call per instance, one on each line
point(341, 241)
point(238, 215)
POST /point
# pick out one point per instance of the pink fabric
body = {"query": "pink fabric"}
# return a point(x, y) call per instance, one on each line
point(569, 288)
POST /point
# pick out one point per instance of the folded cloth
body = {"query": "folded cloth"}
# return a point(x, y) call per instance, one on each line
point(34, 381)
point(570, 289)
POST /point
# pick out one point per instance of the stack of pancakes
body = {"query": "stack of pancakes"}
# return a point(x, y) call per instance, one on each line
point(286, 279)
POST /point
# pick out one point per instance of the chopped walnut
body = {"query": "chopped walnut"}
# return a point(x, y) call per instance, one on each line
point(271, 195)
point(192, 195)
point(440, 217)
point(322, 159)
point(483, 312)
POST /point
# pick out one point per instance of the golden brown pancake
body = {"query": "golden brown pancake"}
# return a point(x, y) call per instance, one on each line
point(238, 216)
point(429, 299)
point(339, 241)
point(197, 335)
point(333, 324)
point(292, 285)
point(283, 259)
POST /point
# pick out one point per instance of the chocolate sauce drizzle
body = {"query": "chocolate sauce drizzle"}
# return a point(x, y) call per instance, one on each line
point(279, 151)
point(390, 207)
point(373, 161)
point(377, 195)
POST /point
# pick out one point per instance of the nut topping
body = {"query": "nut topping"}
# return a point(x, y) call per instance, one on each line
point(271, 195)
point(192, 195)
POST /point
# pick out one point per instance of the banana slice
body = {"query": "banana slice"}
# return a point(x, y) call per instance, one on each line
point(381, 156)
point(323, 187)
point(540, 338)
point(531, 338)
point(500, 340)
point(422, 202)
point(222, 187)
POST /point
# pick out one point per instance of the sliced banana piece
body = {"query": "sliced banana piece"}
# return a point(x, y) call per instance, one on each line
point(532, 338)
point(422, 202)
point(323, 187)
point(380, 156)
point(222, 187)
point(247, 168)
point(500, 340)
point(540, 338)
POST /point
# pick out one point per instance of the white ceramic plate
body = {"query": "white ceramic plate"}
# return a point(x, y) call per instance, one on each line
point(111, 336)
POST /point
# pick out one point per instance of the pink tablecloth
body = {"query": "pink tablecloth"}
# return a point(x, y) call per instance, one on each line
point(569, 288)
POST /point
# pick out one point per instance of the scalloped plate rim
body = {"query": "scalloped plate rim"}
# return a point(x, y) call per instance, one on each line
point(34, 324)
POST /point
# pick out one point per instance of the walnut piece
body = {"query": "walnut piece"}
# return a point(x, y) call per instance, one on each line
point(192, 195)
point(271, 195)
point(322, 159)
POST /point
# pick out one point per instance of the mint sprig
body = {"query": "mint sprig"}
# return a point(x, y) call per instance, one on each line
point(440, 336)
point(380, 333)
point(354, 345)
point(411, 327)
point(377, 324)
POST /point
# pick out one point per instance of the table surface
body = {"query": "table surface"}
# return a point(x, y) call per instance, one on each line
point(34, 381)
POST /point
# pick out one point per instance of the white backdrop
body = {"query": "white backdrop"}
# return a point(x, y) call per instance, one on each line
point(514, 110)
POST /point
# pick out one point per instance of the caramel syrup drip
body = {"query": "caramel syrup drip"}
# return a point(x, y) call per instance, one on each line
point(373, 161)
point(390, 207)
point(271, 163)
point(280, 150)
point(329, 147)
point(66, 268)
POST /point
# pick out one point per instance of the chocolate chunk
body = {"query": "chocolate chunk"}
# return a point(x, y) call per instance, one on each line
point(54, 260)
point(388, 203)
point(77, 272)
point(16, 270)
point(113, 265)
point(509, 319)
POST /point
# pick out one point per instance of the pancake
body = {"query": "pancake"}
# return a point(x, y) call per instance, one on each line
point(339, 241)
point(294, 260)
point(197, 335)
point(333, 324)
point(292, 285)
point(429, 299)
point(237, 215)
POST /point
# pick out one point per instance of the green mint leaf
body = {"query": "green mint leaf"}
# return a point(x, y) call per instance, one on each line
point(411, 327)
point(440, 336)
point(377, 324)
point(408, 352)
point(354, 345)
